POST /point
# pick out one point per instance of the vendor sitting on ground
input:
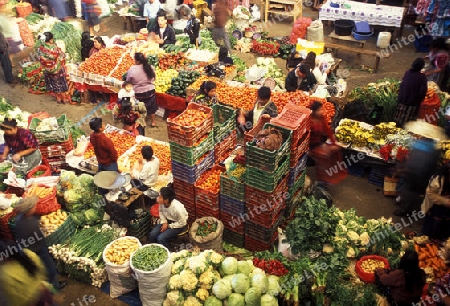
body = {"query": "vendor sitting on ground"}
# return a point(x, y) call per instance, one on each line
point(103, 147)
point(147, 170)
point(404, 285)
point(173, 218)
point(206, 94)
point(163, 34)
point(301, 78)
point(21, 144)
point(264, 108)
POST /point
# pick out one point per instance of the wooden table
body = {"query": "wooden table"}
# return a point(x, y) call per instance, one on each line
point(358, 51)
point(350, 40)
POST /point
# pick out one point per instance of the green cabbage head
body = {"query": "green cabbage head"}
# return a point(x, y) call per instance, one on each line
point(236, 299)
point(240, 283)
point(222, 289)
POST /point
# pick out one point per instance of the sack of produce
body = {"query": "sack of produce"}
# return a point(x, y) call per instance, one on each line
point(152, 266)
point(269, 139)
point(41, 170)
point(207, 234)
point(25, 32)
point(315, 31)
point(117, 259)
point(47, 199)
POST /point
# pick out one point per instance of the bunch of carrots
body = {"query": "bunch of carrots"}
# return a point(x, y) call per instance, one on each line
point(429, 258)
point(39, 191)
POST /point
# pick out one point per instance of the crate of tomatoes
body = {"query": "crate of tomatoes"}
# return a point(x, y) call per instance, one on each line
point(207, 188)
point(191, 125)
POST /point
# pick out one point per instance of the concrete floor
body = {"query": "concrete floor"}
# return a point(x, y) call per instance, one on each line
point(352, 192)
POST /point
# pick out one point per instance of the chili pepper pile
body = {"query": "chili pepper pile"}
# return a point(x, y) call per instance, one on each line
point(272, 266)
point(265, 47)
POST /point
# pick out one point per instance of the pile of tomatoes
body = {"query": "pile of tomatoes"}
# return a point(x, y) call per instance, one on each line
point(123, 67)
point(103, 62)
point(159, 150)
point(191, 117)
point(122, 142)
point(210, 180)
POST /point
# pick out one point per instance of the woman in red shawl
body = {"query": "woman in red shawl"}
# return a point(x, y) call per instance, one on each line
point(326, 157)
point(53, 60)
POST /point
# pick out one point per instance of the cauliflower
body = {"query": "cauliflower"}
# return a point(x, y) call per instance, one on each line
point(208, 278)
point(188, 280)
point(213, 257)
point(327, 249)
point(196, 264)
point(179, 255)
point(364, 238)
point(351, 253)
point(175, 282)
point(339, 213)
point(353, 236)
point(178, 266)
point(174, 298)
point(202, 294)
point(192, 301)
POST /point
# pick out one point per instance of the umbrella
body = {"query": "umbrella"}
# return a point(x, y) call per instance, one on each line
point(425, 129)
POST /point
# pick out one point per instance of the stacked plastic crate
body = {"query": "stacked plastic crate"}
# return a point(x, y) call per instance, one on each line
point(191, 150)
point(266, 190)
point(224, 119)
point(298, 120)
point(55, 144)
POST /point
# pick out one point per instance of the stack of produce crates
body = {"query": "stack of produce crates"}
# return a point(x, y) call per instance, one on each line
point(224, 131)
point(54, 145)
point(207, 200)
point(192, 153)
point(298, 120)
point(266, 190)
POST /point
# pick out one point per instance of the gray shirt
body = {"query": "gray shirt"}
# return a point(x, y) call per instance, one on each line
point(29, 234)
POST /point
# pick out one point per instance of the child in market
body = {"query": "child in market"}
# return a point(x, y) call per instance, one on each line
point(103, 147)
point(130, 117)
point(126, 91)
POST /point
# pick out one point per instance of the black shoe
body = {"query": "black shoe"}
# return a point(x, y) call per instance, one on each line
point(61, 285)
point(400, 213)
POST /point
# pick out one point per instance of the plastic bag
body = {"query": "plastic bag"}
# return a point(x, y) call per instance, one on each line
point(82, 144)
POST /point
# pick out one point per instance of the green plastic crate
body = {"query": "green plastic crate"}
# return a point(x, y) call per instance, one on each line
point(269, 160)
point(232, 188)
point(224, 120)
point(62, 134)
point(297, 185)
point(190, 155)
point(266, 181)
point(63, 233)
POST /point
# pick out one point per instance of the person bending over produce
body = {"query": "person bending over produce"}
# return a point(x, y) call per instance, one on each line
point(403, 286)
point(293, 61)
point(263, 108)
point(173, 218)
point(27, 229)
point(301, 78)
point(103, 147)
point(21, 144)
point(206, 94)
point(52, 59)
point(151, 9)
point(148, 168)
point(162, 33)
point(23, 268)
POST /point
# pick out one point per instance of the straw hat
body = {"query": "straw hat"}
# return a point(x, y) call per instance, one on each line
point(26, 204)
point(425, 129)
point(110, 180)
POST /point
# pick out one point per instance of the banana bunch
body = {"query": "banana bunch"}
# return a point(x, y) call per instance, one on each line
point(445, 148)
point(164, 79)
point(380, 131)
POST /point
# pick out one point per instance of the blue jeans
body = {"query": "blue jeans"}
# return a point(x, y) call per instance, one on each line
point(156, 236)
point(50, 266)
point(110, 167)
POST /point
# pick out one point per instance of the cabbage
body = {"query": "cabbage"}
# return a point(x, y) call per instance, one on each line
point(85, 181)
point(222, 289)
point(92, 216)
point(72, 196)
point(67, 179)
point(257, 271)
point(213, 301)
point(240, 283)
point(261, 282)
point(268, 300)
point(229, 266)
point(253, 297)
point(236, 299)
point(274, 285)
point(78, 218)
point(229, 278)
point(244, 267)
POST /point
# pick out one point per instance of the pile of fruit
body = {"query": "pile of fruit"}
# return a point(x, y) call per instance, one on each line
point(210, 180)
point(119, 251)
point(124, 64)
point(159, 150)
point(51, 222)
point(190, 117)
point(122, 142)
point(102, 62)
point(172, 61)
point(164, 79)
point(180, 83)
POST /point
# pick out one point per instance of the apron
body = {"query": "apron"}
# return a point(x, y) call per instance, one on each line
point(27, 162)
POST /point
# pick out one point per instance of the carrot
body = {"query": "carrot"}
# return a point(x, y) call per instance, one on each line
point(417, 248)
point(432, 251)
point(423, 255)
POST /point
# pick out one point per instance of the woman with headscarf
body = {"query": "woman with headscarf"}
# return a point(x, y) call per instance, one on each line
point(406, 283)
point(53, 60)
point(206, 94)
point(413, 89)
point(22, 267)
point(142, 75)
point(98, 45)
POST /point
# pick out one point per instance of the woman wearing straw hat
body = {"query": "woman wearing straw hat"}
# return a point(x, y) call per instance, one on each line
point(27, 229)
point(21, 144)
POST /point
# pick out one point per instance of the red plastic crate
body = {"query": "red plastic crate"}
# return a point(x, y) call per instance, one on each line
point(183, 189)
point(234, 223)
point(205, 197)
point(189, 135)
point(267, 218)
point(301, 148)
point(5, 230)
point(206, 211)
point(295, 118)
point(256, 197)
point(222, 148)
point(49, 150)
point(255, 245)
point(56, 163)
